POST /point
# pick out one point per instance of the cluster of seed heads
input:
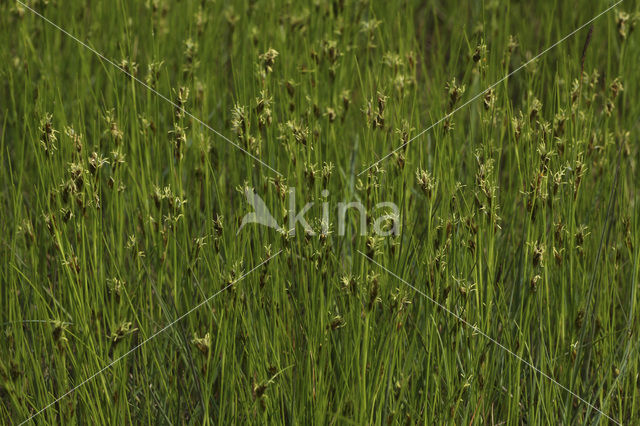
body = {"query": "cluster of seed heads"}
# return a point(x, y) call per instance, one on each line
point(153, 73)
point(263, 110)
point(128, 66)
point(487, 194)
point(191, 62)
point(268, 59)
point(426, 181)
point(113, 131)
point(454, 92)
point(202, 343)
point(178, 139)
point(123, 330)
point(48, 138)
point(479, 57)
point(368, 28)
point(59, 333)
point(116, 286)
point(374, 111)
point(626, 23)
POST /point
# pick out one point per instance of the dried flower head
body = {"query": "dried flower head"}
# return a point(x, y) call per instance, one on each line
point(96, 161)
point(179, 139)
point(454, 92)
point(117, 158)
point(75, 137)
point(190, 61)
point(129, 67)
point(625, 23)
point(153, 73)
point(535, 108)
point(369, 28)
point(426, 181)
point(48, 136)
point(113, 131)
point(268, 59)
point(393, 61)
point(202, 343)
point(239, 120)
point(123, 330)
point(479, 57)
point(181, 100)
point(538, 253)
point(59, 332)
point(616, 87)
point(337, 322)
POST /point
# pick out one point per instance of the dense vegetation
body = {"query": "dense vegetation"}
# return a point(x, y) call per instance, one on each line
point(127, 294)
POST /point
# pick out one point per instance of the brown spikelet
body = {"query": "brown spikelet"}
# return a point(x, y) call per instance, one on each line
point(587, 41)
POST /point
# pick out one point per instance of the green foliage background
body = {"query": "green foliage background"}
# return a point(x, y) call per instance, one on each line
point(119, 213)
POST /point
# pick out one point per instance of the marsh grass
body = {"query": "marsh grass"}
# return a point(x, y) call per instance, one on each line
point(120, 213)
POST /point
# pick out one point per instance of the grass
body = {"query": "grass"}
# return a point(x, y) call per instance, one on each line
point(518, 214)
